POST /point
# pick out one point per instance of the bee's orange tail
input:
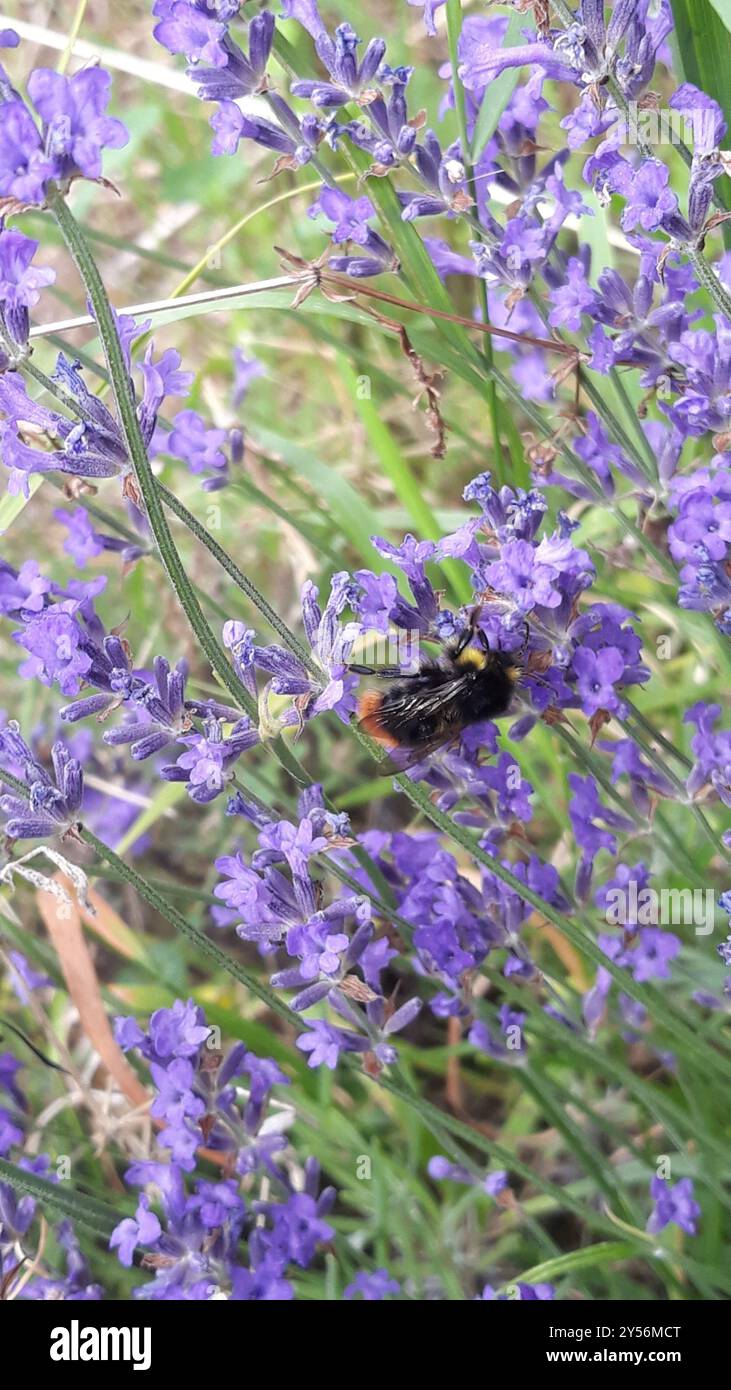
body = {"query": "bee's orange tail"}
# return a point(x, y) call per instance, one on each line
point(370, 706)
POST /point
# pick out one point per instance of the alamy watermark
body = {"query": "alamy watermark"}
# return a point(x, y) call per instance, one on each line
point(397, 649)
point(77, 1343)
point(632, 906)
point(655, 125)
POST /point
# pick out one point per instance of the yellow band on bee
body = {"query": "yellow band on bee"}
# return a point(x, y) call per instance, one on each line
point(472, 656)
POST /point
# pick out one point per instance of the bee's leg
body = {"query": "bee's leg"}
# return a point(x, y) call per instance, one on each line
point(475, 616)
point(472, 631)
point(387, 673)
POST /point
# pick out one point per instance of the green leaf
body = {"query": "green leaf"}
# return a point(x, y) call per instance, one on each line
point(62, 1201)
point(407, 487)
point(261, 299)
point(355, 518)
point(607, 1251)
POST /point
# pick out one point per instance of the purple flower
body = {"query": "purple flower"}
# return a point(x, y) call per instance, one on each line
point(25, 167)
point(246, 370)
point(526, 1292)
point(651, 958)
point(430, 8)
point(711, 750)
point(442, 1169)
point(388, 135)
point(20, 289)
point(512, 790)
point(644, 780)
point(206, 765)
point(597, 674)
point(198, 446)
point(572, 298)
point(443, 177)
point(9, 1067)
point(83, 543)
point(294, 139)
point(52, 805)
point(484, 61)
point(23, 592)
point(324, 1043)
point(594, 1001)
point(372, 1287)
point(585, 812)
point(511, 1028)
point(522, 248)
point(519, 575)
point(586, 54)
point(93, 448)
point(55, 644)
point(306, 13)
point(75, 128)
point(382, 604)
point(23, 978)
point(673, 1204)
point(351, 79)
point(330, 643)
point(350, 217)
point(222, 71)
point(177, 1032)
point(203, 1234)
point(143, 1229)
point(184, 28)
point(650, 201)
point(705, 115)
point(705, 403)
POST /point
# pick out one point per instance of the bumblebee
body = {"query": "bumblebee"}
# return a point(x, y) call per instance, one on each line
point(429, 708)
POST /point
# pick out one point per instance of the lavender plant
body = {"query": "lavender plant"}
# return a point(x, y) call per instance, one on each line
point(486, 972)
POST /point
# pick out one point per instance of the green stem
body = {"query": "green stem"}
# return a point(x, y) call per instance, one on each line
point(617, 429)
point(125, 401)
point(454, 29)
point(710, 282)
point(661, 766)
point(631, 413)
point(655, 733)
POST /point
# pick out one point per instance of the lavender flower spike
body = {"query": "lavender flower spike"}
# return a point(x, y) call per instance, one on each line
point(52, 807)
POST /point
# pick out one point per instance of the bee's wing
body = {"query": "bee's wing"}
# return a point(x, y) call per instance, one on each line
point(430, 704)
point(403, 758)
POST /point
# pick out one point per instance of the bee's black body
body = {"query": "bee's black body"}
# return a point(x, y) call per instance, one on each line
point(422, 711)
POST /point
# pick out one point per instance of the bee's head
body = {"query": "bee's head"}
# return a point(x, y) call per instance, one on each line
point(477, 659)
point(473, 659)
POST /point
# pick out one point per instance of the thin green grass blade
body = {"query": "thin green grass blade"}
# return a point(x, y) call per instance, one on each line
point(62, 1201)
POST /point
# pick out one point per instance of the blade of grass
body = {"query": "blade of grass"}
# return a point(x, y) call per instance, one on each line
point(64, 1202)
point(406, 487)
